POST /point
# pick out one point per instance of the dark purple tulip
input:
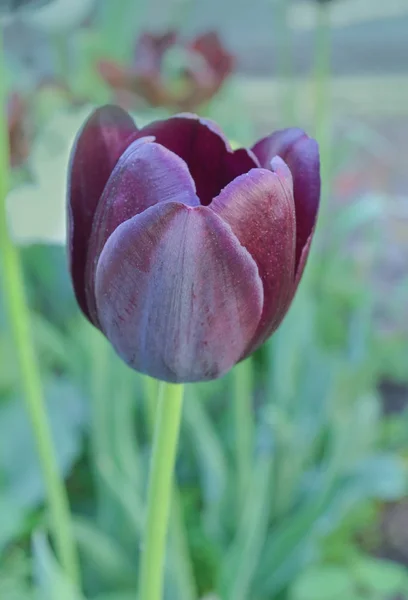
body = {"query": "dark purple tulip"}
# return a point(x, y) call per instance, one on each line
point(185, 253)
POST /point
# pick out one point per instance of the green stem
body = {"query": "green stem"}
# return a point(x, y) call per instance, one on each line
point(182, 566)
point(181, 560)
point(244, 556)
point(99, 433)
point(285, 61)
point(62, 56)
point(13, 289)
point(243, 421)
point(114, 17)
point(150, 389)
point(167, 427)
point(322, 77)
point(180, 13)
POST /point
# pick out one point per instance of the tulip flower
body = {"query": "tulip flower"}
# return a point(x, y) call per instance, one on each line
point(204, 67)
point(185, 253)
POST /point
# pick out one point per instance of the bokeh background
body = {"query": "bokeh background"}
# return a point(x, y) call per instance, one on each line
point(292, 472)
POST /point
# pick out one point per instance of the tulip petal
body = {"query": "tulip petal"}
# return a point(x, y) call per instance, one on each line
point(177, 295)
point(100, 143)
point(149, 52)
point(210, 159)
point(146, 174)
point(259, 208)
point(301, 154)
point(211, 48)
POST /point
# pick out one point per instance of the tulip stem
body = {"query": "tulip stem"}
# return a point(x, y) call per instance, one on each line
point(285, 61)
point(181, 561)
point(322, 93)
point(150, 390)
point(243, 420)
point(13, 290)
point(322, 64)
point(98, 434)
point(160, 490)
point(62, 56)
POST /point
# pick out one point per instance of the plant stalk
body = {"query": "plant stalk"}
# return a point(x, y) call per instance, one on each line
point(160, 490)
point(285, 65)
point(19, 319)
point(243, 422)
point(322, 80)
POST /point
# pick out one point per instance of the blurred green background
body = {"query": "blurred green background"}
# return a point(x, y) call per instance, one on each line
point(292, 472)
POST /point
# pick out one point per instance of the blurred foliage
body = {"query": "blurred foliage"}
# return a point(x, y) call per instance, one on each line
point(324, 454)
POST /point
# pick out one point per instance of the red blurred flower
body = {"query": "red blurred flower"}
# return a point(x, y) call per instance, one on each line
point(205, 66)
point(17, 129)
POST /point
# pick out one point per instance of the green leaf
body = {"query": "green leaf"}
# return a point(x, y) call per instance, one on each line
point(110, 562)
point(15, 577)
point(49, 287)
point(125, 496)
point(122, 417)
point(50, 343)
point(324, 583)
point(380, 577)
point(9, 372)
point(180, 563)
point(210, 457)
point(51, 580)
point(287, 349)
point(19, 464)
point(238, 569)
point(12, 520)
point(294, 537)
point(131, 595)
point(367, 210)
point(382, 476)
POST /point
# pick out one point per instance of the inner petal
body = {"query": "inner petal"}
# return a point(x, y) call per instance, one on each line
point(209, 157)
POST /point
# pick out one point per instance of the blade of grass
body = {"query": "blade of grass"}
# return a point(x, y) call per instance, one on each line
point(52, 580)
point(242, 559)
point(211, 458)
point(243, 422)
point(19, 318)
point(104, 553)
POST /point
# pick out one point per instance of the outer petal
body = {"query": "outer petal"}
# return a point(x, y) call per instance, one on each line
point(301, 154)
point(145, 175)
point(211, 48)
point(149, 52)
point(16, 114)
point(114, 74)
point(100, 143)
point(146, 78)
point(259, 208)
point(177, 295)
point(210, 159)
